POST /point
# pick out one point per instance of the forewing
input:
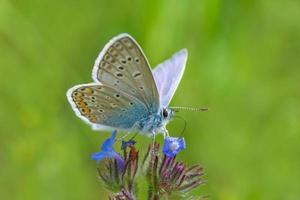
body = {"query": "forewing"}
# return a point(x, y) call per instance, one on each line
point(168, 74)
point(122, 65)
point(106, 107)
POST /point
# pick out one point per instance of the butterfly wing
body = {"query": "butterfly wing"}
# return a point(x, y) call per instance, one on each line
point(122, 65)
point(105, 107)
point(124, 92)
point(168, 74)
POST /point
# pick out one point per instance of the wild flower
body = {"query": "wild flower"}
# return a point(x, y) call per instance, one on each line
point(173, 146)
point(164, 175)
point(108, 151)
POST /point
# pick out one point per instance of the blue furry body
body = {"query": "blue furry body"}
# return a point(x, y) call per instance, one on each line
point(151, 124)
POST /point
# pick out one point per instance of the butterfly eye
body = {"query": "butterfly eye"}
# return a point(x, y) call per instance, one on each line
point(165, 113)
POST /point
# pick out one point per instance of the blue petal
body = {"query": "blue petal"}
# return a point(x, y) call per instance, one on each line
point(182, 144)
point(128, 143)
point(108, 144)
point(100, 156)
point(173, 146)
point(108, 151)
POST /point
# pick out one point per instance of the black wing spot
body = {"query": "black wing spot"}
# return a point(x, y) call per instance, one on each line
point(85, 110)
point(137, 74)
point(102, 64)
point(123, 61)
point(116, 83)
point(125, 40)
point(111, 50)
point(141, 87)
point(117, 95)
point(107, 57)
point(129, 58)
point(119, 46)
point(119, 75)
point(121, 68)
point(131, 103)
point(137, 60)
point(113, 105)
point(82, 103)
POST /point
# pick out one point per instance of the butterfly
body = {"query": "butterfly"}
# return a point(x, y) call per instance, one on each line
point(126, 94)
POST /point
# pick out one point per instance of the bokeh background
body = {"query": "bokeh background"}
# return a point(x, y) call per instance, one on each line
point(244, 64)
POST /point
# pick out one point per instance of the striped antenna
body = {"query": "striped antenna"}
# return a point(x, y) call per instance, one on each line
point(177, 108)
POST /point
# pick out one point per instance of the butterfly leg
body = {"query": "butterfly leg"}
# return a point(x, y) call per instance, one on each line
point(124, 136)
point(166, 133)
point(134, 129)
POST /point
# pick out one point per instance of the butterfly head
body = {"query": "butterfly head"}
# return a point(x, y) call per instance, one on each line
point(167, 114)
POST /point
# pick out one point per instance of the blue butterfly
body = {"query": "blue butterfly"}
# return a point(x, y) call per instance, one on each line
point(126, 94)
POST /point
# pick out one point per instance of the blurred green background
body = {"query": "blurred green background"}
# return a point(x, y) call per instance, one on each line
point(244, 64)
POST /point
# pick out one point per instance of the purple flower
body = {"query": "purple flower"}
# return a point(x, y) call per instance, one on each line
point(173, 146)
point(166, 176)
point(108, 151)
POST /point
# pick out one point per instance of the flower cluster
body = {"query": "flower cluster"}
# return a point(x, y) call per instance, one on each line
point(165, 176)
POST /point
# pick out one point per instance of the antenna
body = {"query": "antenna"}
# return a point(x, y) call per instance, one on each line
point(185, 123)
point(177, 108)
